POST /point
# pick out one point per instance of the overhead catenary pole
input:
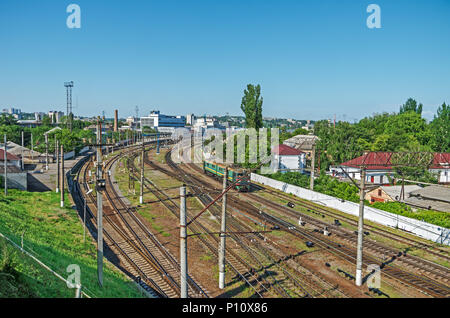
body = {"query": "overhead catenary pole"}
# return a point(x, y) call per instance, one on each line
point(23, 165)
point(32, 149)
point(313, 163)
point(46, 152)
point(5, 158)
point(157, 141)
point(359, 255)
point(99, 205)
point(222, 233)
point(141, 194)
point(183, 243)
point(61, 180)
point(57, 166)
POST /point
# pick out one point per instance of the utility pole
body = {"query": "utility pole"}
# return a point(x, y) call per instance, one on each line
point(46, 152)
point(157, 142)
point(141, 196)
point(183, 243)
point(32, 155)
point(6, 170)
point(313, 163)
point(222, 233)
point(99, 188)
point(359, 255)
point(61, 181)
point(57, 166)
point(23, 165)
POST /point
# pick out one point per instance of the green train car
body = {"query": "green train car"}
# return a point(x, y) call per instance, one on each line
point(217, 170)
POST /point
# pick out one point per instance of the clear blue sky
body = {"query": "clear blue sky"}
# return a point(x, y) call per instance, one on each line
point(313, 58)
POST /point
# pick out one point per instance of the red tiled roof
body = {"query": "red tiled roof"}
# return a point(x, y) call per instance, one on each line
point(441, 161)
point(284, 150)
point(382, 161)
point(9, 156)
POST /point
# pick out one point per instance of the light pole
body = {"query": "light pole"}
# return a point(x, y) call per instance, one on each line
point(84, 216)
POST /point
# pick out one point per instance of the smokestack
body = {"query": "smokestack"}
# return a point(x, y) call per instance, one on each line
point(116, 120)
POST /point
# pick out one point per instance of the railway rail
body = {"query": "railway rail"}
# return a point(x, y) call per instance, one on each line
point(431, 287)
point(254, 241)
point(144, 257)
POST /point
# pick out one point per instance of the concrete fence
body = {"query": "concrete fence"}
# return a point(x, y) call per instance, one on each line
point(69, 155)
point(426, 230)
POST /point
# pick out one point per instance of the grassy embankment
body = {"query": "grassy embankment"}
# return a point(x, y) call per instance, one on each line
point(54, 235)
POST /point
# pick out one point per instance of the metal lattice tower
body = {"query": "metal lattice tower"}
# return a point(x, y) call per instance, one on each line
point(68, 86)
point(137, 112)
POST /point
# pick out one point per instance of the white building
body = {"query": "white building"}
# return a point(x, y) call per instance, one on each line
point(55, 116)
point(156, 120)
point(288, 159)
point(190, 119)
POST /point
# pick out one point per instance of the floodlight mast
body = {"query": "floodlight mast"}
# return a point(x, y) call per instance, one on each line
point(68, 86)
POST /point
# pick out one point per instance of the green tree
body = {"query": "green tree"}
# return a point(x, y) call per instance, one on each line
point(251, 105)
point(411, 105)
point(440, 130)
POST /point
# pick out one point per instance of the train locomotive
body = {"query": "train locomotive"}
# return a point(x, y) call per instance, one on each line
point(217, 170)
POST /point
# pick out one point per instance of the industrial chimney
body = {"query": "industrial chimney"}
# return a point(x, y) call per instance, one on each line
point(116, 120)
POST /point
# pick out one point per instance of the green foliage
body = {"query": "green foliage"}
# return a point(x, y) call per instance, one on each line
point(434, 217)
point(440, 129)
point(411, 106)
point(405, 131)
point(252, 106)
point(55, 236)
point(70, 140)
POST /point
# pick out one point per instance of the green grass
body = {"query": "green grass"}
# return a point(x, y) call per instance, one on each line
point(55, 236)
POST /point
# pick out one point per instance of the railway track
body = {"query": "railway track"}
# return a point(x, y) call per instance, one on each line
point(242, 268)
point(433, 287)
point(144, 257)
point(254, 242)
point(411, 242)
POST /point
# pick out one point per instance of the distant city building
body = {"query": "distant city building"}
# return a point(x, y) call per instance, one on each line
point(55, 116)
point(156, 120)
point(29, 123)
point(190, 118)
point(308, 125)
point(12, 111)
point(303, 143)
point(38, 116)
point(206, 123)
point(132, 123)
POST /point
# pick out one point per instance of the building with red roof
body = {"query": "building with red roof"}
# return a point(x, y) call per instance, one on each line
point(12, 160)
point(380, 167)
point(287, 158)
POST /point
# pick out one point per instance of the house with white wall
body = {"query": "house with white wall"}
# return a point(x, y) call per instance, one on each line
point(287, 158)
point(379, 169)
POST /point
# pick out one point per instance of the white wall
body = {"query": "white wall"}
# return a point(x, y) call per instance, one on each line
point(426, 230)
point(69, 155)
